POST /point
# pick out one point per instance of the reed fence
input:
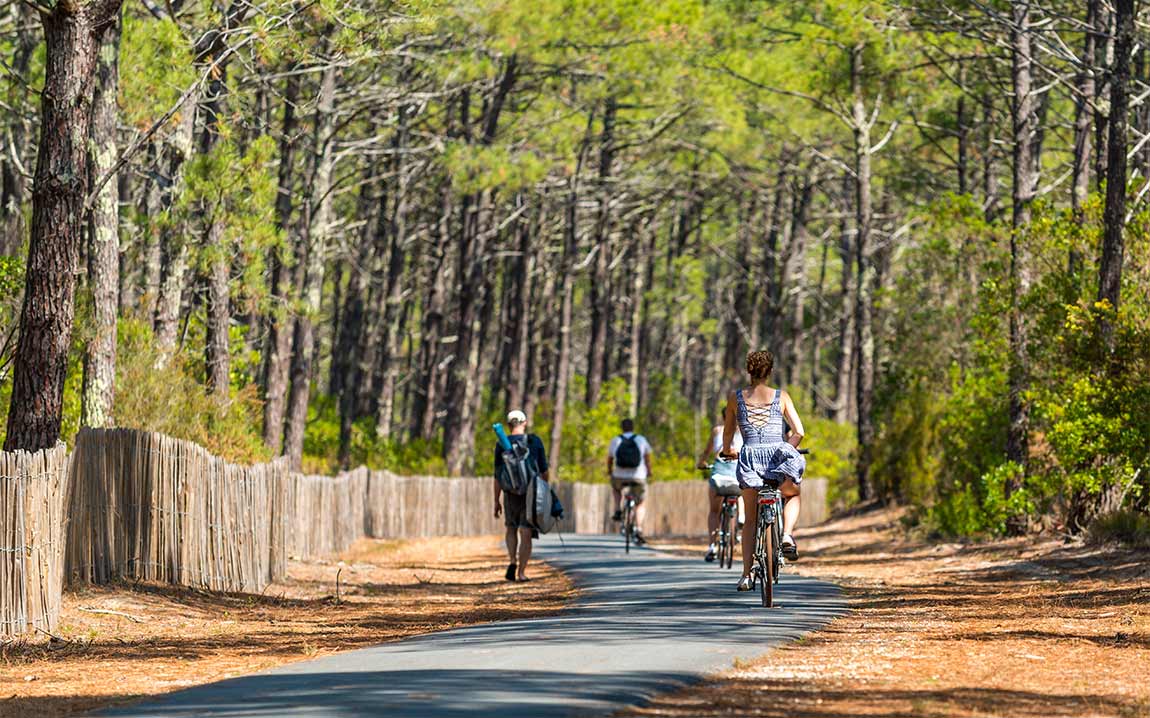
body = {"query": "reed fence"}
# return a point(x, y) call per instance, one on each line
point(138, 505)
point(145, 506)
point(32, 490)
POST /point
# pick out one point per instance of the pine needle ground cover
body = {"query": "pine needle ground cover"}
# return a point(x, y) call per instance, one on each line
point(1019, 628)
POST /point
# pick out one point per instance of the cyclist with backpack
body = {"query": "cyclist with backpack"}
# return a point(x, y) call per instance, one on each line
point(629, 464)
point(516, 467)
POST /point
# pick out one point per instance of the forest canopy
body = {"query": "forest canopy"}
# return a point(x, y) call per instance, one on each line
point(354, 231)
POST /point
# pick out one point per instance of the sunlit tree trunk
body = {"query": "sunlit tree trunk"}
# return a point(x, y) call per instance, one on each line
point(99, 381)
point(73, 33)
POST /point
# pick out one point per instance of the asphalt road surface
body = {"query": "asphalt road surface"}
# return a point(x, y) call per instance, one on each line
point(645, 623)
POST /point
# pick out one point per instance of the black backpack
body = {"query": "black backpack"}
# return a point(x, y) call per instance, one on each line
point(628, 456)
point(518, 469)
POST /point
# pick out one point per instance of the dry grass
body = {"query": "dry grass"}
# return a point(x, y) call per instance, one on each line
point(386, 591)
point(1010, 628)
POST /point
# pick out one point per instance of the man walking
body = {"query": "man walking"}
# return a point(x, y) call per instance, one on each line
point(513, 506)
point(629, 464)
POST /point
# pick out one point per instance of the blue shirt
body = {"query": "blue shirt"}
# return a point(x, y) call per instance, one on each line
point(534, 445)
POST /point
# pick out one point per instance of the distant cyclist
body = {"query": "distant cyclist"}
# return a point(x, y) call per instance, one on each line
point(723, 480)
point(513, 507)
point(629, 464)
point(762, 414)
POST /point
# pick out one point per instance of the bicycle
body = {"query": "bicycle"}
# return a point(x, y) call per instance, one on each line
point(768, 554)
point(728, 531)
point(630, 503)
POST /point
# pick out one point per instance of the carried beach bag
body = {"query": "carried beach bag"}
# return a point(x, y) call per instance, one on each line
point(541, 505)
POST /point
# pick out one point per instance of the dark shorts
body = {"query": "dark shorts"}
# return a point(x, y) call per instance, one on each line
point(515, 511)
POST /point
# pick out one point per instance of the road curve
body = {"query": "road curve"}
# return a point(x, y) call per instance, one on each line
point(645, 623)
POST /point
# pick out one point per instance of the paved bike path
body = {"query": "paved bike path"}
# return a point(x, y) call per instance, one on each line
point(645, 623)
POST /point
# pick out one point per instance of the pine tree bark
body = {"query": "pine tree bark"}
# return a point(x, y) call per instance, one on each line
point(864, 281)
point(12, 183)
point(99, 380)
point(1114, 215)
point(217, 354)
point(313, 264)
point(72, 33)
point(1083, 117)
point(600, 291)
point(563, 355)
point(279, 340)
point(394, 280)
point(1025, 181)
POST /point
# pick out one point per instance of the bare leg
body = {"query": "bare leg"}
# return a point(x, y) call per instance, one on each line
point(751, 501)
point(524, 552)
point(618, 494)
point(640, 514)
point(512, 543)
point(791, 491)
point(714, 507)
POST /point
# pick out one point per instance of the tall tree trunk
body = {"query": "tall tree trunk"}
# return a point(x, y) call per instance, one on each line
point(793, 280)
point(475, 233)
point(1114, 216)
point(567, 292)
point(279, 338)
point(520, 318)
point(864, 280)
point(175, 153)
point(72, 33)
point(1104, 58)
point(393, 290)
point(600, 291)
point(99, 382)
point(1025, 180)
point(12, 182)
point(217, 354)
point(645, 247)
point(1083, 117)
point(989, 166)
point(314, 260)
point(347, 371)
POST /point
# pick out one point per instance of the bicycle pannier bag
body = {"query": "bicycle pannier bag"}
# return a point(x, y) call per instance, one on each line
point(627, 455)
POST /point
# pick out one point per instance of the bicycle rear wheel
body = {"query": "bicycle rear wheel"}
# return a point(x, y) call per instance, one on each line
point(730, 540)
point(627, 528)
point(724, 537)
point(767, 566)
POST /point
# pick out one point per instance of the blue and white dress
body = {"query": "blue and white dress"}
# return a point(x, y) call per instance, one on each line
point(766, 454)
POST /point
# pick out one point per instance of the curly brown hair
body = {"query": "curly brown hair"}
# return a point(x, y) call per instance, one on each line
point(760, 364)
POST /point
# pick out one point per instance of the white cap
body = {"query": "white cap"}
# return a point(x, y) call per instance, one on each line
point(516, 417)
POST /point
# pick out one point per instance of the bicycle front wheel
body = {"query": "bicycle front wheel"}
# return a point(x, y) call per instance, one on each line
point(767, 566)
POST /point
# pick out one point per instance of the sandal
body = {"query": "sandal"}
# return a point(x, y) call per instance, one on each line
point(745, 584)
point(790, 549)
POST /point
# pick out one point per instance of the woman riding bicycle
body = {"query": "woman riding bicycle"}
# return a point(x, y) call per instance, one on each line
point(721, 479)
point(769, 453)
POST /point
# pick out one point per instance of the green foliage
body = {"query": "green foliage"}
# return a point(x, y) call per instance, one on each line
point(165, 396)
point(155, 68)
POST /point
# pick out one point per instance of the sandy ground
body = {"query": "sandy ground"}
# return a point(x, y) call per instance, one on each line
point(161, 639)
point(1013, 628)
